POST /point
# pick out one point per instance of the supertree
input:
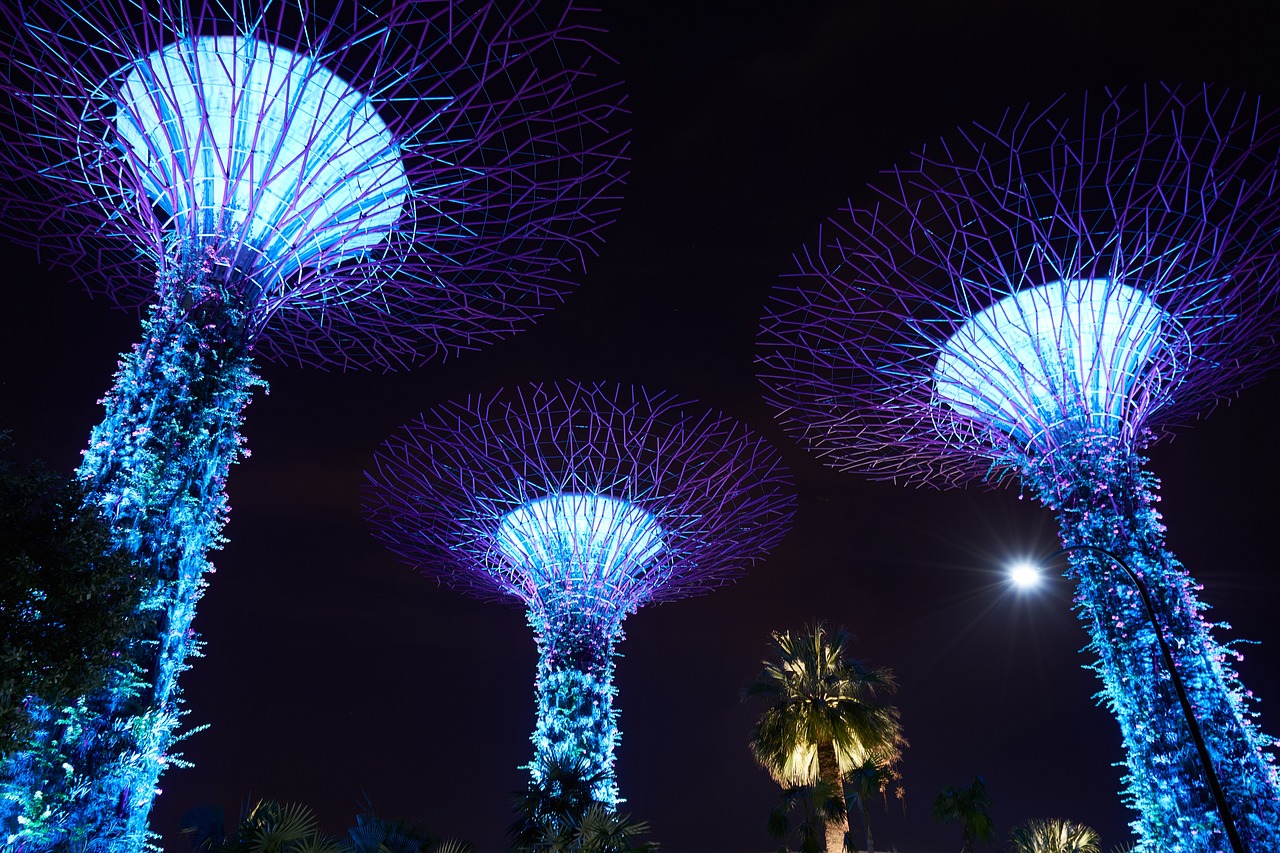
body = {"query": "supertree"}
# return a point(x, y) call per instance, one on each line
point(582, 502)
point(1039, 300)
point(356, 185)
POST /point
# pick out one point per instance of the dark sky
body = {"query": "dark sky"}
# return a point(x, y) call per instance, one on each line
point(333, 674)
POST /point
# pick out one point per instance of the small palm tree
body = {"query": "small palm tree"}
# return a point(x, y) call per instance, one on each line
point(270, 827)
point(1054, 836)
point(866, 782)
point(822, 720)
point(818, 806)
point(604, 831)
point(968, 805)
point(558, 815)
point(374, 834)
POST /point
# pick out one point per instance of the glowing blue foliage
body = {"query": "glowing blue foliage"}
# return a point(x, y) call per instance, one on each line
point(576, 721)
point(583, 502)
point(156, 465)
point(1069, 371)
point(1105, 499)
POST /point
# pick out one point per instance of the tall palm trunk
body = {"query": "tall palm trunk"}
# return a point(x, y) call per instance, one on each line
point(829, 772)
point(866, 822)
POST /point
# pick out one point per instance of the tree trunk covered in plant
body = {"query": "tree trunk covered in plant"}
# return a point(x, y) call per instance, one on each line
point(1104, 499)
point(156, 466)
point(574, 688)
point(829, 773)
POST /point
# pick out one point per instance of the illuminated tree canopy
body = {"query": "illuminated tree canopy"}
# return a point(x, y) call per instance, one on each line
point(359, 185)
point(1140, 216)
point(584, 502)
point(1040, 299)
point(386, 182)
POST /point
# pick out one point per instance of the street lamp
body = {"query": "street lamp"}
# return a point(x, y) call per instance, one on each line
point(1025, 575)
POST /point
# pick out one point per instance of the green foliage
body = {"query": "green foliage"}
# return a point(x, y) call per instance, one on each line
point(802, 815)
point(557, 814)
point(863, 784)
point(270, 827)
point(970, 806)
point(67, 606)
point(373, 834)
point(156, 468)
point(824, 719)
point(1054, 836)
point(821, 696)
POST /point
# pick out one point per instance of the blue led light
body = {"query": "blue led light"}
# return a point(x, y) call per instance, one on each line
point(579, 538)
point(233, 133)
point(1066, 354)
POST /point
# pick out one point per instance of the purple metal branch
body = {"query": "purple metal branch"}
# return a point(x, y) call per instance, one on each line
point(1170, 191)
point(443, 484)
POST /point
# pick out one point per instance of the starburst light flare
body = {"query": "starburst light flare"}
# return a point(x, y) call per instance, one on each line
point(363, 184)
point(584, 503)
point(1040, 299)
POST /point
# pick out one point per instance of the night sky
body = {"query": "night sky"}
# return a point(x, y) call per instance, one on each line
point(333, 674)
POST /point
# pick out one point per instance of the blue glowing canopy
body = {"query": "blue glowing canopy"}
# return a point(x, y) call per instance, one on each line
point(1068, 354)
point(579, 539)
point(233, 134)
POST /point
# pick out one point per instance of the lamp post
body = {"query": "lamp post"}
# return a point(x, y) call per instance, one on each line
point(1211, 775)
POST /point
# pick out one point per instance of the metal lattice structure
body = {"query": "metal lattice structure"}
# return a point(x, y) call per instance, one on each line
point(388, 182)
point(584, 503)
point(357, 185)
point(1039, 299)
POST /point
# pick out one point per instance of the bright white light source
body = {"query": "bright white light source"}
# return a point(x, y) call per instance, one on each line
point(235, 129)
point(580, 537)
point(1024, 575)
point(1070, 352)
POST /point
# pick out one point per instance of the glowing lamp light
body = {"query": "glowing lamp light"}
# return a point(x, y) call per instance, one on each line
point(1024, 575)
point(1066, 353)
point(576, 537)
point(230, 132)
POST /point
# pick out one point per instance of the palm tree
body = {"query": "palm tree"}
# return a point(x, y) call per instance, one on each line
point(270, 827)
point(822, 721)
point(557, 814)
point(374, 834)
point(864, 783)
point(968, 805)
point(818, 805)
point(1054, 836)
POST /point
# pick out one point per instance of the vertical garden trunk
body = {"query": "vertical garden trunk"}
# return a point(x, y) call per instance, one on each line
point(576, 720)
point(829, 773)
point(1105, 500)
point(156, 466)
